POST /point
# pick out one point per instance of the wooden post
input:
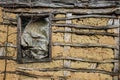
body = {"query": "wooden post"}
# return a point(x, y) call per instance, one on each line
point(119, 51)
point(19, 54)
point(50, 37)
point(67, 38)
point(116, 52)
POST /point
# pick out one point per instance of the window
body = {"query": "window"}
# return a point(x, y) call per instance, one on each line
point(34, 38)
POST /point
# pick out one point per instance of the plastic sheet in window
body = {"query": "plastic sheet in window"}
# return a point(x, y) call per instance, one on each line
point(35, 39)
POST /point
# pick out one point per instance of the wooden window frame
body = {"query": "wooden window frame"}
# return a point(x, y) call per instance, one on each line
point(20, 59)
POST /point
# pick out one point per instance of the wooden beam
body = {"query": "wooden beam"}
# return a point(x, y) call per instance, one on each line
point(8, 23)
point(84, 45)
point(62, 4)
point(69, 69)
point(8, 58)
point(19, 53)
point(67, 38)
point(85, 16)
point(87, 33)
point(116, 52)
point(107, 11)
point(86, 26)
point(86, 60)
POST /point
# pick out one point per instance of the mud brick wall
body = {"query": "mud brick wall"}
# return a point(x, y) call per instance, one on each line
point(11, 65)
point(60, 68)
point(86, 53)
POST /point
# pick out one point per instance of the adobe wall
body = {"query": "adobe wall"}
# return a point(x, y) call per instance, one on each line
point(11, 65)
point(96, 54)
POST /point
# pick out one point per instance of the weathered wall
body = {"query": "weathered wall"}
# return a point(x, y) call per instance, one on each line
point(96, 53)
point(11, 65)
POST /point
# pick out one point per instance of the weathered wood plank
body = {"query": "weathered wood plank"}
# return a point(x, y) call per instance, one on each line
point(19, 54)
point(32, 75)
point(87, 33)
point(50, 37)
point(8, 58)
point(85, 45)
point(116, 52)
point(9, 46)
point(62, 4)
point(86, 27)
point(42, 14)
point(86, 60)
point(69, 69)
point(55, 11)
point(8, 23)
point(84, 16)
point(67, 38)
point(99, 4)
point(9, 19)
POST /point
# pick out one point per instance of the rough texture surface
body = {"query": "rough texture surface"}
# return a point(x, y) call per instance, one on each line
point(89, 76)
point(11, 65)
point(92, 53)
point(91, 21)
point(51, 64)
point(58, 51)
point(93, 39)
point(89, 53)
